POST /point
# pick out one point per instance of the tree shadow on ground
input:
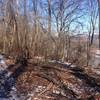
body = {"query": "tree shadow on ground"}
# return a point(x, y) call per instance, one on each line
point(8, 79)
point(90, 81)
point(79, 73)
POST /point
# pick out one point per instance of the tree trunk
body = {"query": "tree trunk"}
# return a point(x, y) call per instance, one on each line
point(99, 20)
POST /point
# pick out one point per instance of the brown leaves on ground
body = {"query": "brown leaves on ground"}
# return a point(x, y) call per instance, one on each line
point(52, 81)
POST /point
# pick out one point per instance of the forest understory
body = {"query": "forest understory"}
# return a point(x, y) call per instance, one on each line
point(50, 80)
point(49, 49)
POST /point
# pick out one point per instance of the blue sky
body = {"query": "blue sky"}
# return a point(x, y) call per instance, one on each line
point(84, 20)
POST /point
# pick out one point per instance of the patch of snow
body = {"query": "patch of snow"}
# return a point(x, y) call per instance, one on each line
point(63, 93)
point(39, 57)
point(56, 91)
point(7, 89)
point(97, 71)
point(64, 63)
point(1, 57)
point(2, 63)
point(52, 61)
point(36, 98)
point(77, 89)
point(8, 74)
point(67, 63)
point(97, 56)
point(73, 66)
point(40, 88)
point(98, 52)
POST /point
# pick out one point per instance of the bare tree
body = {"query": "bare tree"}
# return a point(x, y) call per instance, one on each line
point(99, 20)
point(64, 19)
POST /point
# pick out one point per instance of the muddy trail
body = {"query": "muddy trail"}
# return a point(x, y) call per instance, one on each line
point(48, 81)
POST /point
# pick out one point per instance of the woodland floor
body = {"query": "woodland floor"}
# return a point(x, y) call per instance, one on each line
point(50, 81)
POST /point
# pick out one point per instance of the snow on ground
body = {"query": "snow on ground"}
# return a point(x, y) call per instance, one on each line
point(3, 65)
point(63, 63)
point(95, 59)
point(7, 89)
